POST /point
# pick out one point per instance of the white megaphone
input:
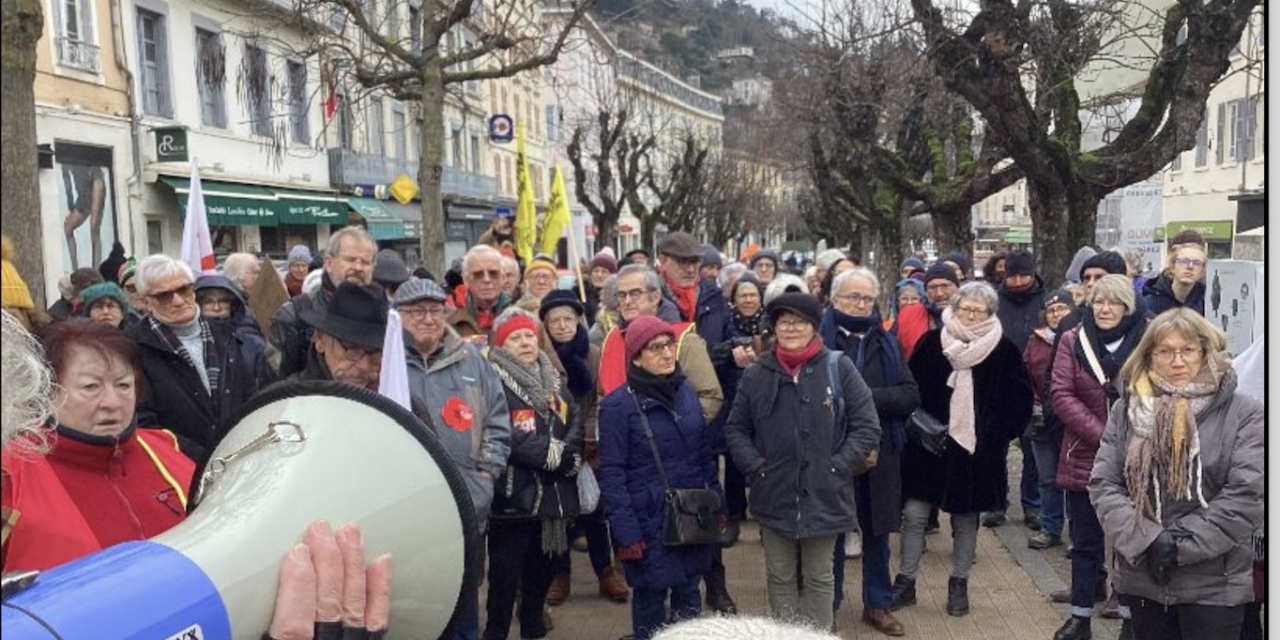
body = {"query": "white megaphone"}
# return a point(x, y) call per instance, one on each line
point(303, 451)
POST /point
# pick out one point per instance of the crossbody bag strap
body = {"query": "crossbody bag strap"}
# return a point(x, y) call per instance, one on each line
point(648, 434)
point(1092, 358)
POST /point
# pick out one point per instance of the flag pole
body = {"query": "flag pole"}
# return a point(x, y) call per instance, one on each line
point(577, 264)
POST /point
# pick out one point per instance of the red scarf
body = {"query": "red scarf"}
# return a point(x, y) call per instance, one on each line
point(686, 299)
point(293, 285)
point(792, 361)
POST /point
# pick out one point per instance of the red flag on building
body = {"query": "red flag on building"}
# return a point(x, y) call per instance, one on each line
point(331, 103)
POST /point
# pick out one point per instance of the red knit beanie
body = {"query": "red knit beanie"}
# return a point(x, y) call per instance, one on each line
point(642, 331)
point(516, 323)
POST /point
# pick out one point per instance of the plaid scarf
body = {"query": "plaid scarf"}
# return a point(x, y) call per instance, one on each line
point(211, 360)
point(1165, 448)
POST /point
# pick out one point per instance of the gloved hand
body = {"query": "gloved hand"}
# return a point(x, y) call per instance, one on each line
point(569, 465)
point(1162, 557)
point(724, 522)
point(633, 552)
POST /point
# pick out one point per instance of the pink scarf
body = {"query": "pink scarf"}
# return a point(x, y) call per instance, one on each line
point(966, 347)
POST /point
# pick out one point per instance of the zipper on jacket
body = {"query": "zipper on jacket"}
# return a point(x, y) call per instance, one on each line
point(117, 462)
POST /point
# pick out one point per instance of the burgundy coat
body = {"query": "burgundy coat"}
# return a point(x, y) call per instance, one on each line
point(1080, 405)
point(1036, 356)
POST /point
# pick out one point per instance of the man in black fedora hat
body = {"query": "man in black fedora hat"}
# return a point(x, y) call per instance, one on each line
point(348, 336)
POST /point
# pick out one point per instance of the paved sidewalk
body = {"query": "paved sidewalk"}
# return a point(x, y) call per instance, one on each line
point(1004, 600)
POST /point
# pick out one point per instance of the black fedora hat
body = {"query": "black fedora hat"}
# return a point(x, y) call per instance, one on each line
point(356, 314)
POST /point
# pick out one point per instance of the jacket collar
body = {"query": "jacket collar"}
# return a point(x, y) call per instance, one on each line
point(91, 452)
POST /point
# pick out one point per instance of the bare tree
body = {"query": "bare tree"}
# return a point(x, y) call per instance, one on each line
point(1019, 63)
point(22, 26)
point(421, 54)
point(606, 180)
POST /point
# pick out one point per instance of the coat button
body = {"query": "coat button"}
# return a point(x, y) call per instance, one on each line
point(804, 399)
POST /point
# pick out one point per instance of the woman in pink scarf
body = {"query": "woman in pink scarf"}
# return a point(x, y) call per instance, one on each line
point(972, 379)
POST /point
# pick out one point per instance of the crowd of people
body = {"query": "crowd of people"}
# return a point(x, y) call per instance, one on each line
point(648, 410)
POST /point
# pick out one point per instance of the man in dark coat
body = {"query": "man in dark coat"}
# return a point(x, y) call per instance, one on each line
point(1182, 282)
point(852, 325)
point(1021, 298)
point(350, 257)
point(701, 302)
point(196, 375)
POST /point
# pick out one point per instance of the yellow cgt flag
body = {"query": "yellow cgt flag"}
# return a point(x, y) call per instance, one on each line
point(526, 211)
point(557, 218)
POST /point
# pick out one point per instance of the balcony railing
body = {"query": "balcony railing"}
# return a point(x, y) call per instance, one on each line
point(348, 167)
point(79, 55)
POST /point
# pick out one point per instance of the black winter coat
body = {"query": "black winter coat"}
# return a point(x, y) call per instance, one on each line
point(790, 425)
point(960, 482)
point(174, 398)
point(291, 335)
point(1019, 313)
point(526, 489)
point(894, 404)
point(1159, 296)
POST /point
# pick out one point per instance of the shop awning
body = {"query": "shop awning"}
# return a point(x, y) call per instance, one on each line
point(230, 203)
point(310, 207)
point(382, 224)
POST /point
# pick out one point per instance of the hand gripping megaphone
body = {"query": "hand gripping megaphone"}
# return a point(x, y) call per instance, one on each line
point(303, 451)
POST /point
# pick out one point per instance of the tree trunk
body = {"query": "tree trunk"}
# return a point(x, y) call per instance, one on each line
point(23, 22)
point(648, 227)
point(953, 230)
point(606, 233)
point(889, 254)
point(431, 170)
point(1082, 220)
point(1049, 228)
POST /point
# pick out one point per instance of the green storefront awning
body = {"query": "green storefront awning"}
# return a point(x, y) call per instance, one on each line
point(382, 224)
point(230, 203)
point(1017, 237)
point(310, 207)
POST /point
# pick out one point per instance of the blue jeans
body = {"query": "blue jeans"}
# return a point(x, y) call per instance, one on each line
point(1088, 551)
point(1030, 484)
point(1052, 500)
point(877, 586)
point(596, 528)
point(649, 607)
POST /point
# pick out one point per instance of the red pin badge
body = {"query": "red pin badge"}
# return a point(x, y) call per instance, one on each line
point(458, 414)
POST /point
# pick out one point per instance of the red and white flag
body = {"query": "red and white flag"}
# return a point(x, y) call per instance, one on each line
point(197, 244)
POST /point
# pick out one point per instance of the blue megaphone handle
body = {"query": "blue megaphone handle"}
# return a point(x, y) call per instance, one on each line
point(136, 590)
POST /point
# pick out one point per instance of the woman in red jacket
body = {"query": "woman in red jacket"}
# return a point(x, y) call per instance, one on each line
point(1083, 387)
point(1046, 432)
point(104, 480)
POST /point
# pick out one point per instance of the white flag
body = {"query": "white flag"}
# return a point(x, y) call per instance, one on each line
point(394, 376)
point(197, 244)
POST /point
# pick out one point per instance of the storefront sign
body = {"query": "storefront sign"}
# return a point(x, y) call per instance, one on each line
point(171, 144)
point(1212, 230)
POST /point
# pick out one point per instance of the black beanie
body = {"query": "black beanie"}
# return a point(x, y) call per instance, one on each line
point(801, 304)
point(1060, 296)
point(1108, 261)
point(940, 271)
point(1020, 263)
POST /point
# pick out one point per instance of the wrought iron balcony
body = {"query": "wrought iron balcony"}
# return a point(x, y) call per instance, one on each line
point(348, 167)
point(79, 55)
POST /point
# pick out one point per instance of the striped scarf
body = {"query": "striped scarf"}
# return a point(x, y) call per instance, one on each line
point(211, 364)
point(1165, 448)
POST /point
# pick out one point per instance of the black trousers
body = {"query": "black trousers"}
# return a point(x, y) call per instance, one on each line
point(516, 564)
point(1155, 621)
point(735, 489)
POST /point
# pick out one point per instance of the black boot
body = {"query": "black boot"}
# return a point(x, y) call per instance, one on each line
point(731, 533)
point(717, 593)
point(1075, 628)
point(904, 592)
point(1126, 630)
point(957, 596)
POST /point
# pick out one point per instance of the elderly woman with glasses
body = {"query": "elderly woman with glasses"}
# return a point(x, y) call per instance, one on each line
point(852, 325)
point(802, 424)
point(1083, 387)
point(657, 410)
point(971, 379)
point(1178, 483)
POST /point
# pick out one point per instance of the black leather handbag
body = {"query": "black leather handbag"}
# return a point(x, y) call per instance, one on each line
point(689, 516)
point(926, 431)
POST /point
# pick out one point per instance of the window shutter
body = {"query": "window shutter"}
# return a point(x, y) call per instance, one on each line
point(1220, 142)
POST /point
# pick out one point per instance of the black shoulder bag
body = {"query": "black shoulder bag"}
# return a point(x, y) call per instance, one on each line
point(689, 516)
point(927, 431)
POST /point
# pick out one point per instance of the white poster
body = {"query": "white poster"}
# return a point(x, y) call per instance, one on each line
point(1141, 213)
point(1229, 302)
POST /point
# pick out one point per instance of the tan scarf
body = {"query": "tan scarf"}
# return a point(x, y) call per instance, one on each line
point(966, 347)
point(1165, 447)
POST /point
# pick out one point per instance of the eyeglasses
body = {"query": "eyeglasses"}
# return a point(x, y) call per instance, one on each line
point(540, 276)
point(216, 301)
point(1189, 262)
point(166, 297)
point(1190, 354)
point(634, 294)
point(659, 347)
point(1109, 304)
point(491, 274)
point(940, 287)
point(973, 312)
point(792, 325)
point(418, 313)
point(1057, 310)
point(856, 299)
point(355, 353)
point(765, 266)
